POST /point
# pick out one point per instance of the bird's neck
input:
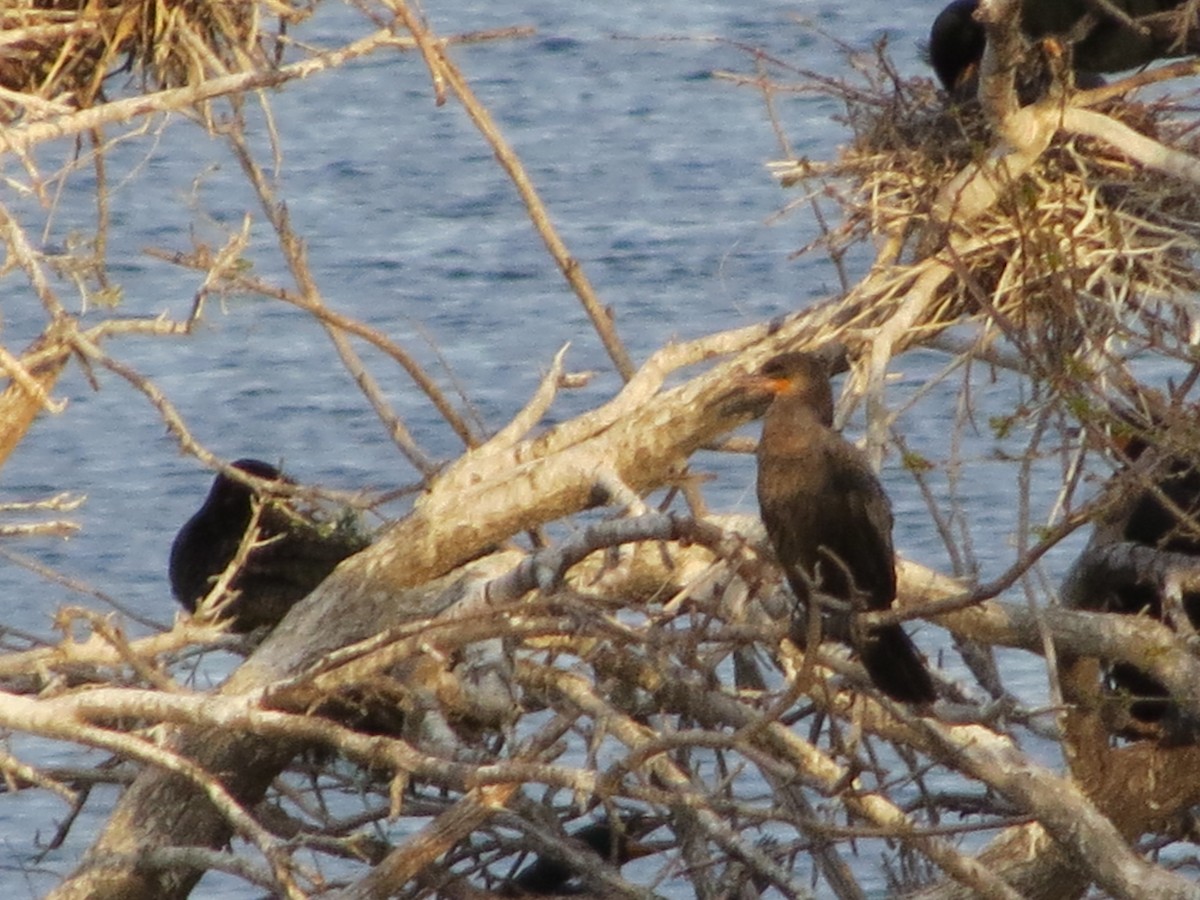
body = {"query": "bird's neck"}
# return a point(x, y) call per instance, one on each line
point(793, 427)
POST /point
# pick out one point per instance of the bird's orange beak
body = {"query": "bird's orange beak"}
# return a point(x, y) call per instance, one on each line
point(755, 382)
point(749, 395)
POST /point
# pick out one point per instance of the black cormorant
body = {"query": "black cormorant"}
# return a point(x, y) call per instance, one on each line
point(549, 875)
point(295, 556)
point(1165, 515)
point(1098, 42)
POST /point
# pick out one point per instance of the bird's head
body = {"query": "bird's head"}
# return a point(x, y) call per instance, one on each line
point(797, 377)
point(228, 492)
point(800, 379)
point(956, 43)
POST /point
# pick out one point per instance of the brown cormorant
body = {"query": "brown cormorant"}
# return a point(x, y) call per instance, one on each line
point(830, 521)
point(296, 554)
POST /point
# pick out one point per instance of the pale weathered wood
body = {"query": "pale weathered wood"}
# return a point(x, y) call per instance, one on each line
point(367, 592)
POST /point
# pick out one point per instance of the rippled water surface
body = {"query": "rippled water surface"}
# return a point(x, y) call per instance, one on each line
point(652, 168)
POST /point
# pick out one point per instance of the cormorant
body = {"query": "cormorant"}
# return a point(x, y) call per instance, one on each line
point(1164, 515)
point(550, 875)
point(956, 43)
point(830, 521)
point(296, 555)
point(1099, 42)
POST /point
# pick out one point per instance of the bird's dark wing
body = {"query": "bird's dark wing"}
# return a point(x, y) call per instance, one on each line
point(864, 540)
point(792, 517)
point(201, 550)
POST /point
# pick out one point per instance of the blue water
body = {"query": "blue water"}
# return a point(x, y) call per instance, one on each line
point(652, 169)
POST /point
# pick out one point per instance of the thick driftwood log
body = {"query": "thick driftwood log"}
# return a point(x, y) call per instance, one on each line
point(164, 808)
point(642, 438)
point(482, 500)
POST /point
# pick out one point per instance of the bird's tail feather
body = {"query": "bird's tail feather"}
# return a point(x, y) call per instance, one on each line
point(895, 666)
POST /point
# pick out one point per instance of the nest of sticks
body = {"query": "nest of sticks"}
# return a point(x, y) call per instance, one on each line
point(56, 52)
point(1084, 244)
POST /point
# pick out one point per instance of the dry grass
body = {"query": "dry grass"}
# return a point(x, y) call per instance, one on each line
point(1084, 246)
point(57, 51)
